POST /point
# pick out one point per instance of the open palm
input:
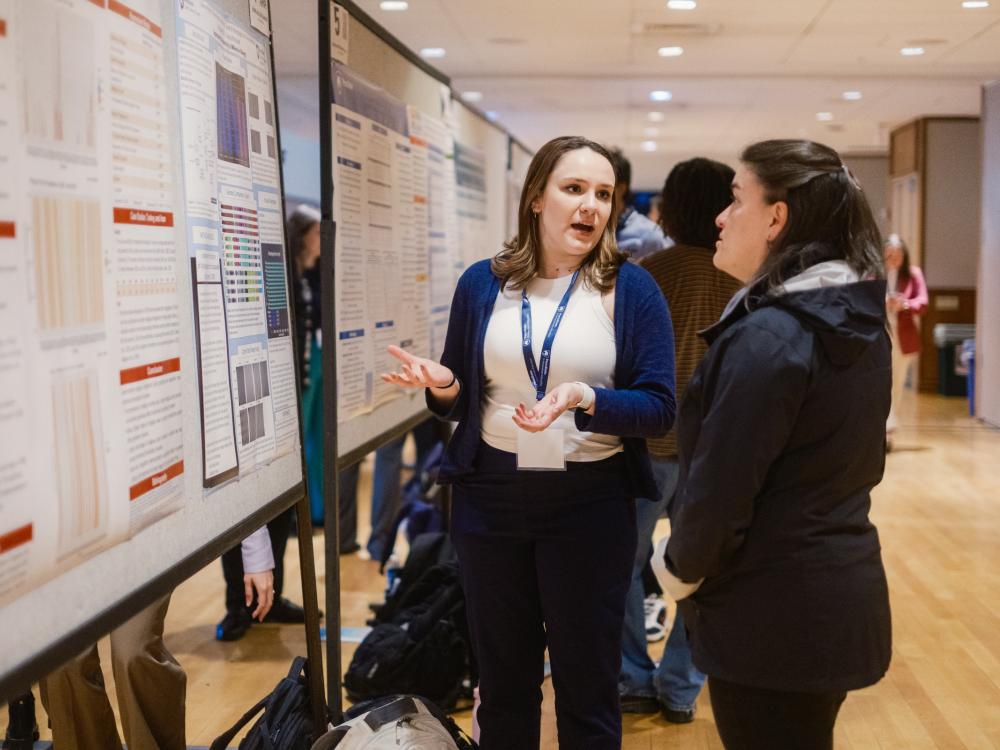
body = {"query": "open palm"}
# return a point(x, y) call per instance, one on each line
point(417, 372)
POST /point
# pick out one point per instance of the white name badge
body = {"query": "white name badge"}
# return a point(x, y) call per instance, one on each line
point(541, 451)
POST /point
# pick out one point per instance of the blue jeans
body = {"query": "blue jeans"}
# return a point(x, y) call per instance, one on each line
point(675, 682)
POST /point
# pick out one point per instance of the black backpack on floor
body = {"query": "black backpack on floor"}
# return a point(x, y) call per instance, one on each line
point(287, 720)
point(423, 650)
point(426, 551)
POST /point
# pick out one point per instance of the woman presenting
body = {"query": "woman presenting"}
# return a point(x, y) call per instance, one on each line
point(554, 392)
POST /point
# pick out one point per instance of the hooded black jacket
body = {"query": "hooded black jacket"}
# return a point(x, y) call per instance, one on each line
point(781, 439)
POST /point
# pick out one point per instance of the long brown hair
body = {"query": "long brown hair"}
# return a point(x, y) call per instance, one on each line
point(517, 263)
point(827, 210)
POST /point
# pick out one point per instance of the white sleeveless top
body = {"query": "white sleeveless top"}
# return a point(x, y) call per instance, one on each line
point(584, 350)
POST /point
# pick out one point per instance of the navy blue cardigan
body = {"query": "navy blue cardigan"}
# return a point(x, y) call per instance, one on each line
point(640, 406)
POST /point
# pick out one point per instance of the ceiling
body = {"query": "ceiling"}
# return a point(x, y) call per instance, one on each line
point(751, 69)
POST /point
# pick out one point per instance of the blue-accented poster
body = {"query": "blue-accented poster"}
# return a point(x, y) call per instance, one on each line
point(236, 242)
point(380, 207)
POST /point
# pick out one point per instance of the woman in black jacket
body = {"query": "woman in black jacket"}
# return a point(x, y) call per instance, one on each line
point(772, 555)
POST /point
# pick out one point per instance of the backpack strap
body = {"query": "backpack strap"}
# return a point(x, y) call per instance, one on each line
point(445, 604)
point(222, 741)
point(298, 668)
point(391, 712)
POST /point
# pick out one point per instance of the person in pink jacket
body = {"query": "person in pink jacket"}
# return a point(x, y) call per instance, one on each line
point(906, 300)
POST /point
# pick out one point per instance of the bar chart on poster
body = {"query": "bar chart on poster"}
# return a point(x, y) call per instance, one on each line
point(146, 351)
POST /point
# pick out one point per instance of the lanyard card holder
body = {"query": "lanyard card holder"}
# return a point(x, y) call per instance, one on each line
point(541, 451)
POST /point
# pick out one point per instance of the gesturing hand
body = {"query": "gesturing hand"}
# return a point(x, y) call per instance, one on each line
point(417, 372)
point(546, 411)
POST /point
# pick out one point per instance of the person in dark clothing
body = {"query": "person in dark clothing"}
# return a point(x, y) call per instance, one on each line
point(772, 554)
point(545, 468)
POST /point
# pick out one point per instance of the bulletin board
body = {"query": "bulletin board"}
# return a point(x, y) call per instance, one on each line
point(149, 401)
point(414, 188)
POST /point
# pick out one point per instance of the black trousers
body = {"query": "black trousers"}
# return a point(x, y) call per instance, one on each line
point(545, 559)
point(232, 562)
point(756, 719)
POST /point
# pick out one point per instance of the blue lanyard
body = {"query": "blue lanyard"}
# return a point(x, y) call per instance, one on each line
point(540, 375)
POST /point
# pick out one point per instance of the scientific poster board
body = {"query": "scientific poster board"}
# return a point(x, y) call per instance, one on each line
point(149, 406)
point(419, 192)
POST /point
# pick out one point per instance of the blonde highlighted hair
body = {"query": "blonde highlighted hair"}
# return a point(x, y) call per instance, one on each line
point(518, 262)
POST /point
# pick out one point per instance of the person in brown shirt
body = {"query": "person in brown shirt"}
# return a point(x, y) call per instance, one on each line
point(695, 192)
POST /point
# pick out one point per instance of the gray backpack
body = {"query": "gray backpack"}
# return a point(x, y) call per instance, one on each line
point(403, 722)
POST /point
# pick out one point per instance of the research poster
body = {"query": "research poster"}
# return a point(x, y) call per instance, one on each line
point(436, 154)
point(235, 237)
point(90, 359)
point(381, 209)
point(470, 199)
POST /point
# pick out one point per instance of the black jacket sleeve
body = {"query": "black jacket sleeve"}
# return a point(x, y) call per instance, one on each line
point(753, 387)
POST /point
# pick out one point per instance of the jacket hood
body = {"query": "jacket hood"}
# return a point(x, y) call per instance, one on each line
point(847, 315)
point(847, 318)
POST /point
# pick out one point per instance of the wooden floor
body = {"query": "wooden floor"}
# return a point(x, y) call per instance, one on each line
point(938, 511)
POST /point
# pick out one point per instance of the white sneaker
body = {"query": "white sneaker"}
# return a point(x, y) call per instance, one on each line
point(656, 618)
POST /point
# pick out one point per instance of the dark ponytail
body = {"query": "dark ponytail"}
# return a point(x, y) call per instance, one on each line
point(828, 215)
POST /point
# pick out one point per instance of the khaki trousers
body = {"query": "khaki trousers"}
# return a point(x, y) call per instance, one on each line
point(149, 682)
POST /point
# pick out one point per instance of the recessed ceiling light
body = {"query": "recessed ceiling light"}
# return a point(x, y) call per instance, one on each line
point(649, 145)
point(682, 4)
point(472, 96)
point(651, 132)
point(851, 96)
point(660, 96)
point(824, 116)
point(670, 51)
point(492, 116)
point(431, 52)
point(911, 51)
point(394, 5)
point(975, 4)
point(655, 116)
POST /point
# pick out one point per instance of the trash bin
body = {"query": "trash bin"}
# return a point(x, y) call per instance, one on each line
point(948, 338)
point(967, 357)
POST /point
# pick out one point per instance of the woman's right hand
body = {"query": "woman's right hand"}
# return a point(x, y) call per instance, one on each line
point(418, 372)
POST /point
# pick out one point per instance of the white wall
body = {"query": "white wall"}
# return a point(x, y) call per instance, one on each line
point(988, 288)
point(873, 174)
point(952, 205)
point(300, 168)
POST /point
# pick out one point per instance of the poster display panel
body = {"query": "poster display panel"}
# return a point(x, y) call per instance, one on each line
point(235, 237)
point(435, 155)
point(90, 354)
point(381, 208)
